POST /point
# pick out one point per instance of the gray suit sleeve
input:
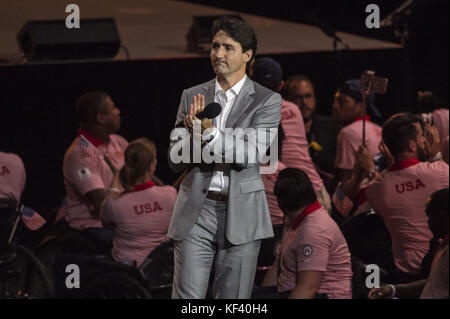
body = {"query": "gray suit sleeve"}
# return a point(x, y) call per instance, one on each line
point(245, 147)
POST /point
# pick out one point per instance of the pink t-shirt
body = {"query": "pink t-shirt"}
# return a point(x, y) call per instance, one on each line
point(317, 244)
point(400, 196)
point(85, 170)
point(140, 220)
point(440, 120)
point(294, 152)
point(12, 176)
point(276, 214)
point(350, 139)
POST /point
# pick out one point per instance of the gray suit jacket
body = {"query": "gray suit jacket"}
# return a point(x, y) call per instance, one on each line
point(248, 216)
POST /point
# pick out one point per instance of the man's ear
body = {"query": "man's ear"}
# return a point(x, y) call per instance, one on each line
point(412, 146)
point(99, 118)
point(248, 55)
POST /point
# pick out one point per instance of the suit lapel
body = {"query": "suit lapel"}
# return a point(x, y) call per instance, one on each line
point(243, 100)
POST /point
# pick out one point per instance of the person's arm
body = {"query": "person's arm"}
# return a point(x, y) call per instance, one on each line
point(96, 198)
point(411, 290)
point(307, 284)
point(226, 145)
point(271, 277)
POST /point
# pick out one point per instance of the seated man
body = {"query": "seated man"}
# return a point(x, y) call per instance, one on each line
point(399, 193)
point(140, 216)
point(436, 285)
point(314, 258)
point(89, 163)
point(348, 109)
point(321, 131)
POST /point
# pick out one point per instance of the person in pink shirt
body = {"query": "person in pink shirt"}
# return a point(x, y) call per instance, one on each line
point(436, 286)
point(295, 146)
point(348, 109)
point(276, 214)
point(140, 216)
point(12, 176)
point(399, 193)
point(314, 259)
point(89, 166)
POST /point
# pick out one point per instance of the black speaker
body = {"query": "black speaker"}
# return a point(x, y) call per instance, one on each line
point(46, 40)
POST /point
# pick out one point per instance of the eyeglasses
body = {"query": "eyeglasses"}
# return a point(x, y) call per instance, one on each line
point(303, 97)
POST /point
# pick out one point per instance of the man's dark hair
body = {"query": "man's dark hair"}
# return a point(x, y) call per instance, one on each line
point(239, 31)
point(429, 103)
point(88, 106)
point(287, 89)
point(438, 203)
point(398, 130)
point(293, 189)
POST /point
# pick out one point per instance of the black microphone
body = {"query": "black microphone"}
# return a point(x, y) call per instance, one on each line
point(209, 112)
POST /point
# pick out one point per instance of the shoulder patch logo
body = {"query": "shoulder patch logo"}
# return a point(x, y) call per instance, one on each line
point(307, 250)
point(84, 173)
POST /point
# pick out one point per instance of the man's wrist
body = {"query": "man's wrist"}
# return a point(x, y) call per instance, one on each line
point(436, 157)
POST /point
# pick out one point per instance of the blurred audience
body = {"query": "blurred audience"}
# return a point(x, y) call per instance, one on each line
point(399, 193)
point(294, 148)
point(321, 131)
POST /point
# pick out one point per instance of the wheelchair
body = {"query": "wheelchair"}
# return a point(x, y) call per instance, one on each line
point(369, 242)
point(22, 275)
point(104, 278)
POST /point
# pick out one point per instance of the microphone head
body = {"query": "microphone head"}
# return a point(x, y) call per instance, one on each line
point(211, 111)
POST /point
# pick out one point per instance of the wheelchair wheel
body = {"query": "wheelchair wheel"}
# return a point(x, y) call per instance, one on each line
point(115, 286)
point(60, 244)
point(159, 268)
point(32, 280)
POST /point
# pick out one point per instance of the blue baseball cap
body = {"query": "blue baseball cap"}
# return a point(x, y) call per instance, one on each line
point(268, 73)
point(352, 89)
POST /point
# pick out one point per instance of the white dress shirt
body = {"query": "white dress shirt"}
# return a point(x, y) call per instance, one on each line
point(220, 182)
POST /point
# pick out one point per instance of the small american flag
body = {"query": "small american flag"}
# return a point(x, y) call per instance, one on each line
point(32, 219)
point(86, 148)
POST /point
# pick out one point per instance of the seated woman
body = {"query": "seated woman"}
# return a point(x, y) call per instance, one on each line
point(139, 216)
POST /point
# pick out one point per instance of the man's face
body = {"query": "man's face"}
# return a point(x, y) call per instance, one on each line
point(110, 115)
point(345, 108)
point(226, 55)
point(302, 94)
point(420, 142)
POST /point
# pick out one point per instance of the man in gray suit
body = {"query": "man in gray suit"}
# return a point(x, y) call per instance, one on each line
point(221, 212)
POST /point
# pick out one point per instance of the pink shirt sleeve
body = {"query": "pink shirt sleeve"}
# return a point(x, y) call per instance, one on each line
point(345, 150)
point(313, 252)
point(83, 173)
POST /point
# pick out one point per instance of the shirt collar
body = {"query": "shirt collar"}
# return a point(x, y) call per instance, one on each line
point(360, 118)
point(141, 187)
point(404, 164)
point(146, 185)
point(92, 139)
point(235, 88)
point(305, 212)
